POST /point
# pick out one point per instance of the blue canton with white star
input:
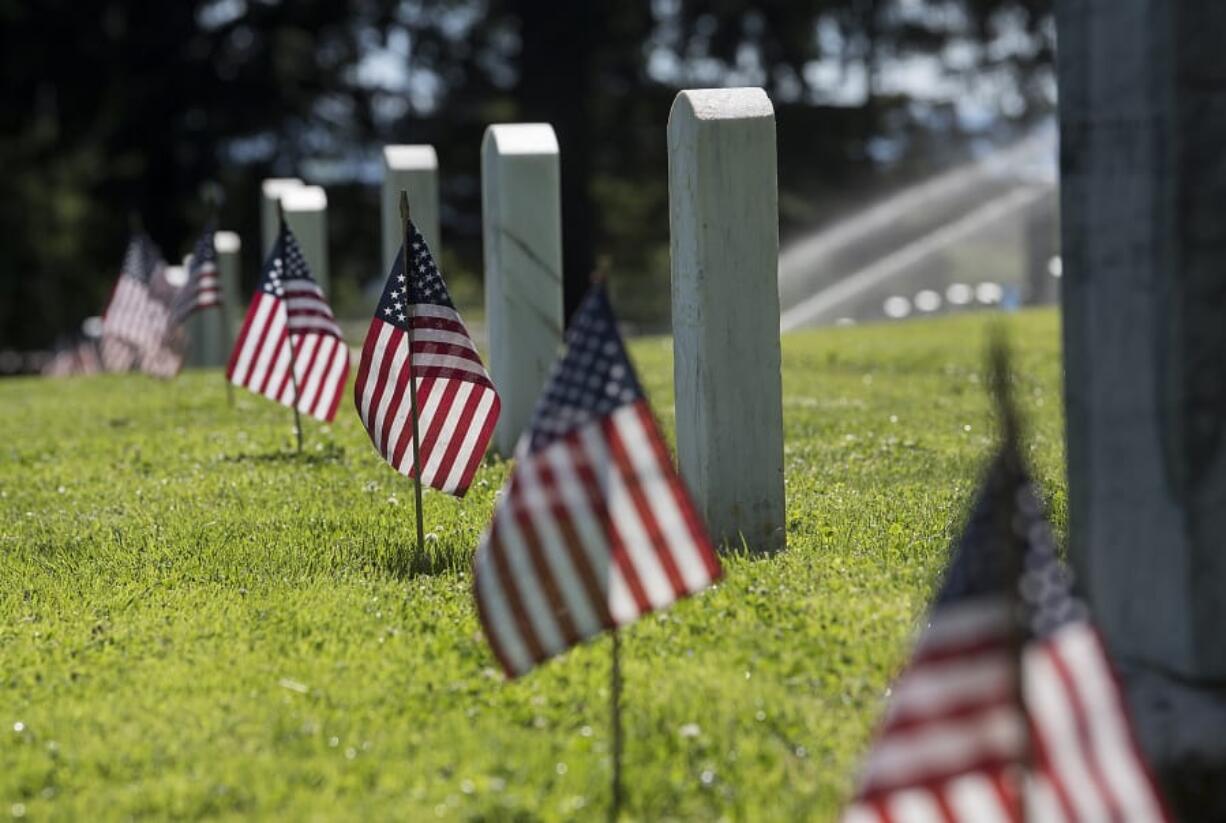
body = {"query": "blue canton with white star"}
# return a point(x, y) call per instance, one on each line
point(285, 262)
point(592, 380)
point(1007, 507)
point(423, 285)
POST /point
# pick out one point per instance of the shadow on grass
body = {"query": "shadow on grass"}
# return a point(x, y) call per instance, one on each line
point(330, 455)
point(408, 562)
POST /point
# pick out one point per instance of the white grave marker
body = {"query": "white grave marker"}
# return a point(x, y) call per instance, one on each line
point(724, 218)
point(306, 212)
point(229, 271)
point(272, 190)
point(415, 170)
point(522, 215)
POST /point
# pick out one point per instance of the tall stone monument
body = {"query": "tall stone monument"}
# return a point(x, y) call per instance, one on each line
point(272, 189)
point(521, 212)
point(415, 170)
point(1143, 157)
point(306, 213)
point(724, 220)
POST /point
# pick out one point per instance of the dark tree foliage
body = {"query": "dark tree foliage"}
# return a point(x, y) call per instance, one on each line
point(112, 108)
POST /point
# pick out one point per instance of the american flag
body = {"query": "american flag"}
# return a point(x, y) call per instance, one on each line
point(202, 289)
point(289, 320)
point(594, 528)
point(70, 359)
point(1009, 709)
point(457, 404)
point(135, 321)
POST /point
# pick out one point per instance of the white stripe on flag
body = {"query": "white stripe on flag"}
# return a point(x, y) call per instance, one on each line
point(538, 499)
point(494, 599)
point(660, 499)
point(531, 591)
point(626, 520)
point(246, 357)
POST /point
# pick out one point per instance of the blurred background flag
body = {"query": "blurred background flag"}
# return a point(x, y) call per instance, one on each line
point(457, 404)
point(1009, 709)
point(202, 289)
point(133, 321)
point(289, 322)
point(594, 528)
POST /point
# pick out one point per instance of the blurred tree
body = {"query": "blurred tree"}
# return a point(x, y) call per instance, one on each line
point(111, 106)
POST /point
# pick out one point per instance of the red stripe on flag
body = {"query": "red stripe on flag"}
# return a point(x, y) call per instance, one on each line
point(558, 608)
point(561, 515)
point(368, 349)
point(681, 498)
point(1080, 716)
point(273, 358)
point(483, 438)
point(506, 582)
point(387, 356)
point(393, 406)
point(341, 353)
point(595, 498)
point(457, 435)
point(424, 389)
point(633, 484)
point(486, 621)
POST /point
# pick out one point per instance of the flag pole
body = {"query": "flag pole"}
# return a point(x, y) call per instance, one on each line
point(615, 721)
point(404, 258)
point(293, 349)
point(1006, 505)
point(214, 210)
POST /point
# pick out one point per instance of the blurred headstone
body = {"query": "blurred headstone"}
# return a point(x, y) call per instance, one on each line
point(522, 227)
point(306, 212)
point(229, 271)
point(271, 190)
point(724, 219)
point(415, 170)
point(1144, 289)
point(1042, 239)
point(206, 342)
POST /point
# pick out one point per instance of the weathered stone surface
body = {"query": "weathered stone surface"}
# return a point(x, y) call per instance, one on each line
point(522, 227)
point(1143, 123)
point(271, 190)
point(415, 170)
point(724, 217)
point(306, 213)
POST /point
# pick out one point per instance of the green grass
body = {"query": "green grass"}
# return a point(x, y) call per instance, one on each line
point(195, 622)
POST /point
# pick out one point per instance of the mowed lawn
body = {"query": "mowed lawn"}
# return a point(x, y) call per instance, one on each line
point(197, 622)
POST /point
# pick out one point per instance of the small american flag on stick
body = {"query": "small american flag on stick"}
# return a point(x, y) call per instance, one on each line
point(203, 289)
point(457, 405)
point(1009, 709)
point(594, 528)
point(135, 321)
point(290, 324)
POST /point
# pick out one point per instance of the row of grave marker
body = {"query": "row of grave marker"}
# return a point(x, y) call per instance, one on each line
point(723, 207)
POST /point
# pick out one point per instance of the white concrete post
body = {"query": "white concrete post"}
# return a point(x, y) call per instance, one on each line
point(229, 271)
point(724, 219)
point(522, 214)
point(306, 212)
point(272, 190)
point(414, 169)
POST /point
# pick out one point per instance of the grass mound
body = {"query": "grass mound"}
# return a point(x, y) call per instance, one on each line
point(194, 621)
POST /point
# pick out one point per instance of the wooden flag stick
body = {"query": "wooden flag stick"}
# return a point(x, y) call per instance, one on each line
point(405, 219)
point(293, 348)
point(615, 721)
